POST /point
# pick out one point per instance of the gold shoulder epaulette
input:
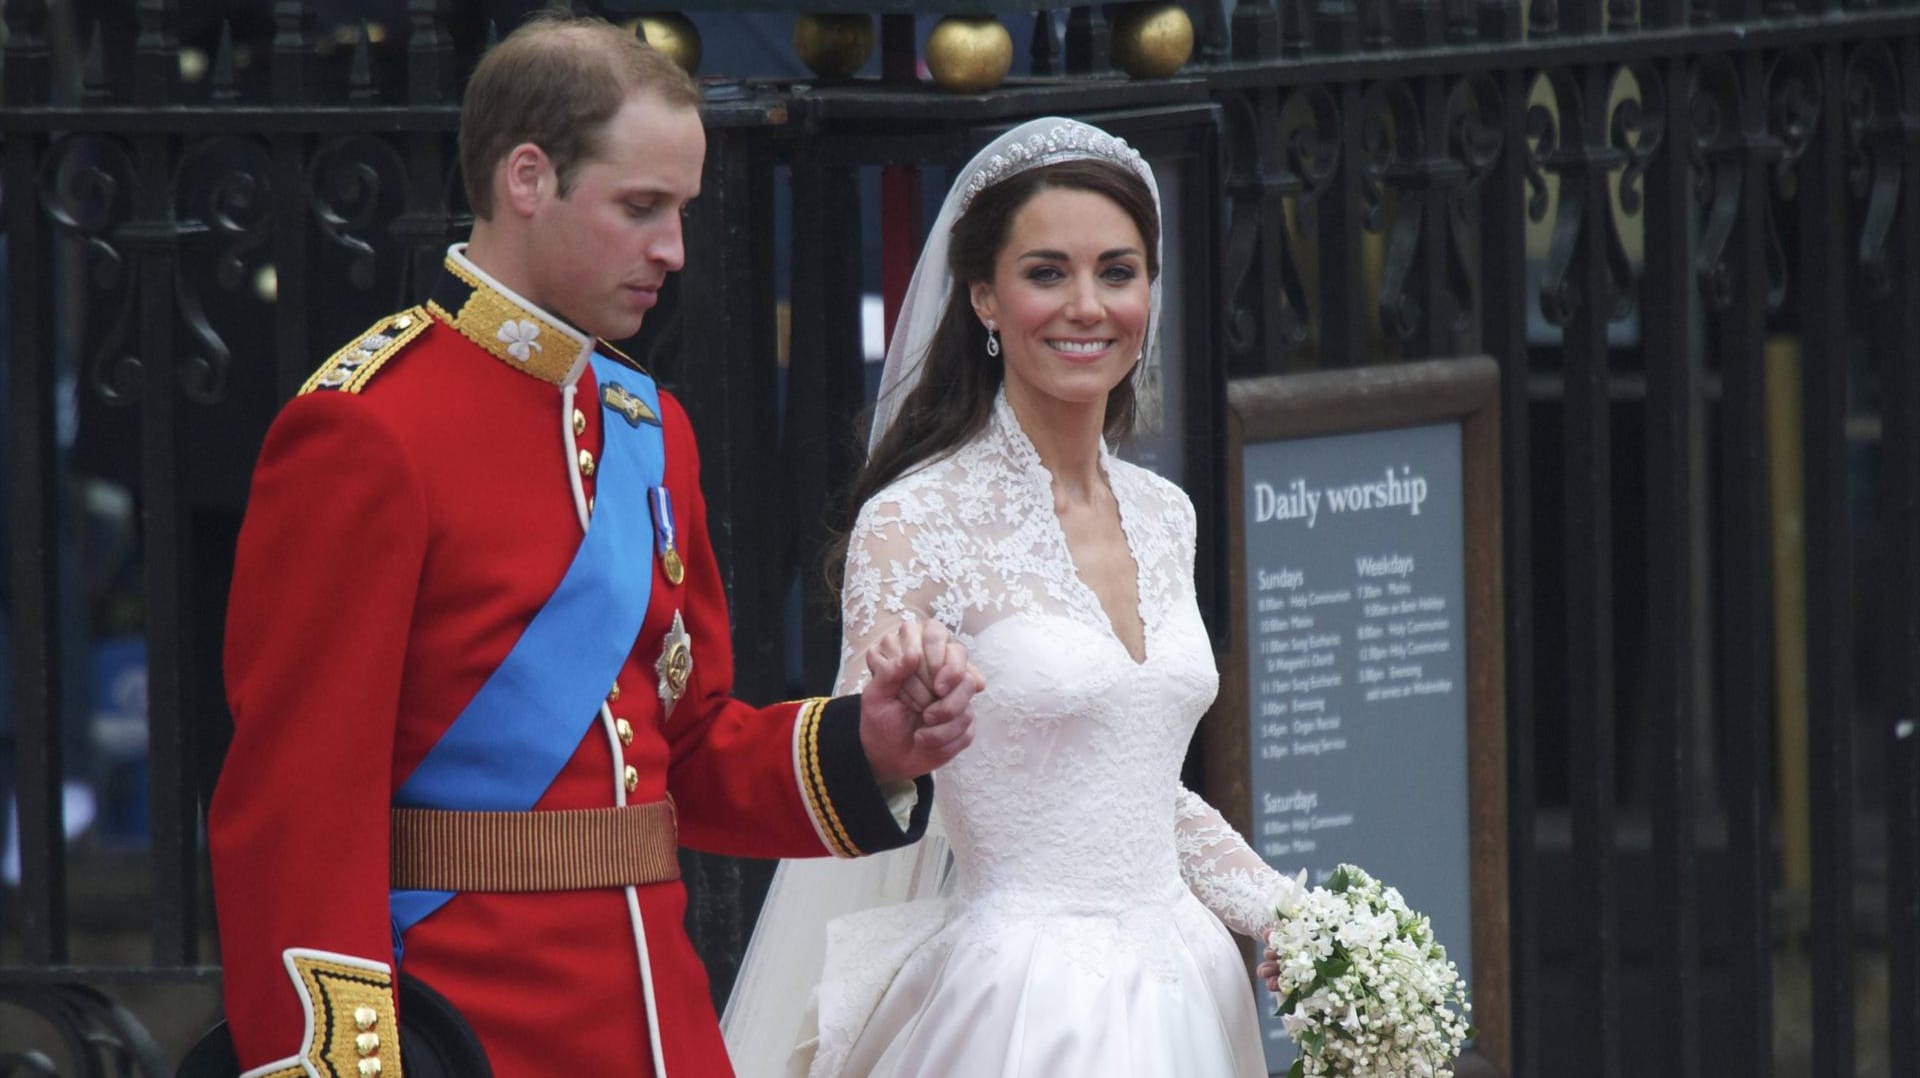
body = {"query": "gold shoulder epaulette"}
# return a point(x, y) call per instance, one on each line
point(351, 368)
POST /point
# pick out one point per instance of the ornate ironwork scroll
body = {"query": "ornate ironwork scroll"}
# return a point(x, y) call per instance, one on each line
point(1281, 151)
point(1793, 115)
point(223, 188)
point(1637, 129)
point(1875, 142)
point(348, 181)
point(1431, 176)
point(1714, 105)
point(1557, 137)
point(85, 190)
point(1570, 144)
point(1395, 155)
point(1476, 136)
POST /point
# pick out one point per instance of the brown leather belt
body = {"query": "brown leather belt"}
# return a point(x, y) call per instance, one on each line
point(572, 850)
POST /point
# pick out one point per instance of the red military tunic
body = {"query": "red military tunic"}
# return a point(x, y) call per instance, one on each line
point(402, 531)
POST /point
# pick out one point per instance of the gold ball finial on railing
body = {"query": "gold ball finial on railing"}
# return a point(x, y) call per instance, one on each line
point(673, 34)
point(833, 46)
point(1152, 41)
point(969, 54)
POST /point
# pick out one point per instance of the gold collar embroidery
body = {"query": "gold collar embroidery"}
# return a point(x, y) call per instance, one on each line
point(510, 329)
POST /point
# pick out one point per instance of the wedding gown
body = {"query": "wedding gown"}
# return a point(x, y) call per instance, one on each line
point(1082, 932)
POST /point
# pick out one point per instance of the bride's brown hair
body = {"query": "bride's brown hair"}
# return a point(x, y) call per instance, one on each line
point(956, 390)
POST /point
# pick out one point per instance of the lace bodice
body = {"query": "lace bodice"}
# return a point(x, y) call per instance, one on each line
point(1070, 796)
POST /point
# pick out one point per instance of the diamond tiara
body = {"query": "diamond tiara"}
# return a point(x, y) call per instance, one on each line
point(1062, 142)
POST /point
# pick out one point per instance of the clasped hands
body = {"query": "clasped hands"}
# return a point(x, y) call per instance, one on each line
point(916, 710)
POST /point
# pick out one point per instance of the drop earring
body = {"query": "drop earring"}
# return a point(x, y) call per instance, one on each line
point(993, 340)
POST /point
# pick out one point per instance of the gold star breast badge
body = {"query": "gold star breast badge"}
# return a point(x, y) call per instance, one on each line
point(675, 665)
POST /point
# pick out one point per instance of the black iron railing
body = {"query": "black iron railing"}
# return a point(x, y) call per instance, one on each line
point(1689, 233)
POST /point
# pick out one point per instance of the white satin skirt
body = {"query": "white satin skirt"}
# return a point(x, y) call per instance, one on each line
point(931, 990)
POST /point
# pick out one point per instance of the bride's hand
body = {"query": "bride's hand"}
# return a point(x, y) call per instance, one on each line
point(1269, 971)
point(916, 710)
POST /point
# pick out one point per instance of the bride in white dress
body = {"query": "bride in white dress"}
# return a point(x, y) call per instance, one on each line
point(1077, 927)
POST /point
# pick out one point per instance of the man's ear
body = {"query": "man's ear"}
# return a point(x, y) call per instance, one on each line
point(526, 178)
point(980, 294)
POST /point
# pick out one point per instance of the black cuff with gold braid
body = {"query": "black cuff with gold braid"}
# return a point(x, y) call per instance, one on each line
point(840, 788)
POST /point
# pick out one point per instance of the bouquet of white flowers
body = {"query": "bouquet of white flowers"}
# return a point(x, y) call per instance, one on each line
point(1364, 990)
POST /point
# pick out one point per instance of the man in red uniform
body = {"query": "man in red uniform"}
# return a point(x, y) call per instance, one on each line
point(477, 652)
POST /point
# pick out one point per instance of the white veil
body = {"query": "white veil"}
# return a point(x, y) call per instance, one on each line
point(770, 1012)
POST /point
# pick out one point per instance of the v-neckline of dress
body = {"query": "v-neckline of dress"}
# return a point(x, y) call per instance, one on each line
point(1022, 450)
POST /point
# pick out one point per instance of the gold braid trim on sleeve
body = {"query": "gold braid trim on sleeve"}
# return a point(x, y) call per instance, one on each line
point(813, 781)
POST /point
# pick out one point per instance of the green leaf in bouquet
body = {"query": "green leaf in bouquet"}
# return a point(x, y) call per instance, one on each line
point(1337, 962)
point(1339, 881)
point(1298, 1070)
point(1333, 968)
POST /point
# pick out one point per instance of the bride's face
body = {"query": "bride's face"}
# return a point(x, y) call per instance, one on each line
point(1070, 296)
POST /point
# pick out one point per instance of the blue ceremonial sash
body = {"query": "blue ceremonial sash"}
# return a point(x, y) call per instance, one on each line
point(527, 720)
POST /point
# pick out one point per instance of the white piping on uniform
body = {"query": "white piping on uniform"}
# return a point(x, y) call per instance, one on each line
point(633, 911)
point(615, 753)
point(573, 453)
point(646, 984)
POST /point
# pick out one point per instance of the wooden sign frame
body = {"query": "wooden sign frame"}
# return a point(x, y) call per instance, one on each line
point(1278, 408)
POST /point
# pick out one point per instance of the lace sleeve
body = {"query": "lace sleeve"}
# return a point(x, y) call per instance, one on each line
point(1223, 872)
point(888, 581)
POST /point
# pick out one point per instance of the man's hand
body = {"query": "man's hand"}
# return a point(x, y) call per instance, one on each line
point(916, 711)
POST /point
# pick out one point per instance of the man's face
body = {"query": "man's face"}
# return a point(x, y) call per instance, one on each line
point(598, 256)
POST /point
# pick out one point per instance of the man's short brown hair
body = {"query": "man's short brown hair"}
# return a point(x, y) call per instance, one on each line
point(555, 82)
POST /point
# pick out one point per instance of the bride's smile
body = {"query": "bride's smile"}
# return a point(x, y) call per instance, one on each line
point(1069, 297)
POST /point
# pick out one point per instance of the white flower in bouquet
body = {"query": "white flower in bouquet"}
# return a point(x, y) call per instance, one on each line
point(1365, 991)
